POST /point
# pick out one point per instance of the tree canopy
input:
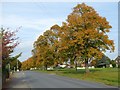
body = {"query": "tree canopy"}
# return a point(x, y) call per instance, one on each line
point(9, 41)
point(82, 37)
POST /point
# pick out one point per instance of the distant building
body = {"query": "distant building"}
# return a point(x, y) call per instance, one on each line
point(117, 60)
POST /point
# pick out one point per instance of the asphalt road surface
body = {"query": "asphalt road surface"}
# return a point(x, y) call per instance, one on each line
point(32, 79)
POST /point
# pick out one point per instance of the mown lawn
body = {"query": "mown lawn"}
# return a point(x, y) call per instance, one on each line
point(0, 70)
point(108, 76)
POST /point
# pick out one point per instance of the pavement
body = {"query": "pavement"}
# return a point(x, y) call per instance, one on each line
point(32, 79)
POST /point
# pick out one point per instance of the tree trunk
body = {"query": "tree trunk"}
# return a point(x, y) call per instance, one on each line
point(45, 67)
point(86, 66)
point(75, 63)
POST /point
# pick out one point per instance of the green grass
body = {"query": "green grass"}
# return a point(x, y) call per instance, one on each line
point(0, 70)
point(108, 76)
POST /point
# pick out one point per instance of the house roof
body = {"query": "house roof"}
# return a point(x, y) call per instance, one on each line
point(117, 59)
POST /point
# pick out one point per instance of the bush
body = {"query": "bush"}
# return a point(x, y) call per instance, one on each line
point(114, 65)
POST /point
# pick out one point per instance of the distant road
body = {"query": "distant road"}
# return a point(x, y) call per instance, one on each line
point(32, 79)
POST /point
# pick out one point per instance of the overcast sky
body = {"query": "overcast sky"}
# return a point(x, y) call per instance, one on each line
point(37, 17)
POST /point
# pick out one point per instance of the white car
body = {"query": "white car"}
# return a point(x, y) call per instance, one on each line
point(50, 68)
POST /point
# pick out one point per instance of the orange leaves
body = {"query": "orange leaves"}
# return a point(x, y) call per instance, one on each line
point(94, 52)
point(73, 41)
point(82, 8)
point(29, 63)
point(74, 19)
point(107, 30)
point(88, 31)
point(65, 47)
point(99, 56)
point(82, 35)
point(108, 43)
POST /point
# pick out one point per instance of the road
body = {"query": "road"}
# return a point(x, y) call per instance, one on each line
point(32, 79)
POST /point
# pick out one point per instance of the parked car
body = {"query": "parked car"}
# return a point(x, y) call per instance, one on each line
point(50, 68)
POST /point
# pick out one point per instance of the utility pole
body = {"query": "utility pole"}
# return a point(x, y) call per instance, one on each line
point(9, 67)
point(17, 66)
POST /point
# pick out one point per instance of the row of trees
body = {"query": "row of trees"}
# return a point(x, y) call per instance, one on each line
point(29, 63)
point(105, 61)
point(8, 42)
point(82, 37)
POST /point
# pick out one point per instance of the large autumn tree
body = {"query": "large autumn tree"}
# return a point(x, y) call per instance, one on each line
point(85, 34)
point(82, 38)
